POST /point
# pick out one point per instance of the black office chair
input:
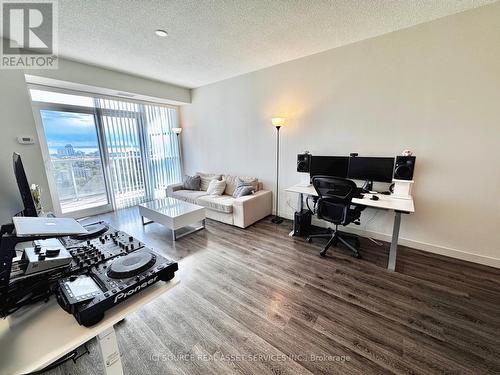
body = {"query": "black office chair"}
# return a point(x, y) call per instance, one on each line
point(334, 205)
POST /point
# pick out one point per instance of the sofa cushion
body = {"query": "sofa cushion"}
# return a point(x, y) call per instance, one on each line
point(190, 196)
point(232, 183)
point(222, 203)
point(206, 178)
point(216, 187)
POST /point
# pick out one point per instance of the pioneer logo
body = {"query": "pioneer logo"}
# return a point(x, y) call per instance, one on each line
point(145, 284)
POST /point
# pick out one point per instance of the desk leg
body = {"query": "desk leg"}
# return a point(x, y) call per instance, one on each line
point(300, 206)
point(391, 265)
point(110, 352)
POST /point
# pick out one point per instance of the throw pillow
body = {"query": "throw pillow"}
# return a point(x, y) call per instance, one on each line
point(249, 181)
point(206, 178)
point(192, 182)
point(233, 181)
point(216, 187)
point(243, 188)
point(241, 191)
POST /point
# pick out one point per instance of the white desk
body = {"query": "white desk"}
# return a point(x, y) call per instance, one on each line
point(385, 202)
point(35, 336)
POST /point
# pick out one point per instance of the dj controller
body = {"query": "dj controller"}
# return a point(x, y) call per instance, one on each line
point(90, 273)
point(106, 270)
point(110, 243)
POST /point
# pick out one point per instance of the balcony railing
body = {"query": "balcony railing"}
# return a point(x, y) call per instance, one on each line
point(80, 180)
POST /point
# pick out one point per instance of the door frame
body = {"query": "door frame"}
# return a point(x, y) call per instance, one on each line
point(37, 108)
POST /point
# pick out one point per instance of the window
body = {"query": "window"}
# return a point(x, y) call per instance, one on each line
point(105, 152)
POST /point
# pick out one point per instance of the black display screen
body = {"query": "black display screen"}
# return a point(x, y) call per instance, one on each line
point(335, 166)
point(371, 169)
point(24, 187)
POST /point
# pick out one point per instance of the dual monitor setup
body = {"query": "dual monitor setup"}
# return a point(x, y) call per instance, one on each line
point(396, 170)
point(369, 169)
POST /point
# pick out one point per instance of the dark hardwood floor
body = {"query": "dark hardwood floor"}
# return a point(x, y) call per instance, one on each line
point(256, 301)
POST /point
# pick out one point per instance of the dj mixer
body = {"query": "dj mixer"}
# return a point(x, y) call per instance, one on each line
point(105, 271)
point(89, 273)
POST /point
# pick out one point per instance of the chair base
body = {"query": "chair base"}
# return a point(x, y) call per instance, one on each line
point(334, 238)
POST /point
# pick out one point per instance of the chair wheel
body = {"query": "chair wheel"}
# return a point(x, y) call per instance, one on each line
point(356, 255)
point(323, 253)
point(309, 239)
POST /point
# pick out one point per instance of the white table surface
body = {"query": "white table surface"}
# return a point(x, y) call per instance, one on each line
point(386, 202)
point(173, 214)
point(37, 335)
point(171, 207)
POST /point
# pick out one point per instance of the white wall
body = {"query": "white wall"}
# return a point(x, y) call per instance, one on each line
point(16, 118)
point(433, 88)
point(91, 76)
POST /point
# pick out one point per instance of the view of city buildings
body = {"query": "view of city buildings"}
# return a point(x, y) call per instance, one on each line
point(79, 174)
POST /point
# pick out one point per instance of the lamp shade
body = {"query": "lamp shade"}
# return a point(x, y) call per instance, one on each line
point(278, 121)
point(177, 130)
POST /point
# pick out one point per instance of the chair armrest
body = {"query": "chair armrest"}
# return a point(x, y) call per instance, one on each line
point(251, 208)
point(174, 187)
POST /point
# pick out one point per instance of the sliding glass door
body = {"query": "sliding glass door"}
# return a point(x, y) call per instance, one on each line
point(75, 163)
point(105, 153)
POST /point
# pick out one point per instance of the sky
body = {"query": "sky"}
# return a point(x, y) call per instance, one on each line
point(78, 129)
point(62, 128)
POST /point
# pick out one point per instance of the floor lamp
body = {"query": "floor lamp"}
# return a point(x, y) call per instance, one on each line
point(278, 122)
point(177, 132)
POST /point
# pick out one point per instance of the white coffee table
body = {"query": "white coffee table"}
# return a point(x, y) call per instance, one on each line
point(173, 214)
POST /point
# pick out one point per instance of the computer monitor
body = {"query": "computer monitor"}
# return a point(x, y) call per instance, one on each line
point(24, 187)
point(371, 169)
point(335, 166)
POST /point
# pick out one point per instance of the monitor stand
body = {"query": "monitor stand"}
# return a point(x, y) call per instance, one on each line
point(305, 180)
point(367, 186)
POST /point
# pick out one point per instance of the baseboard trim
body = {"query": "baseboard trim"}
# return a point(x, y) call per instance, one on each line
point(431, 248)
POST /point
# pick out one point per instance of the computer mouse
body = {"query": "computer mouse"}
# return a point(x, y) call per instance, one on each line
point(374, 198)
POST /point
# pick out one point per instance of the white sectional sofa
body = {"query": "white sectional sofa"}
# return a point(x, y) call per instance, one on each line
point(241, 212)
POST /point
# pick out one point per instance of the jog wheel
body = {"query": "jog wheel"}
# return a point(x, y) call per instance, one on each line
point(93, 230)
point(131, 265)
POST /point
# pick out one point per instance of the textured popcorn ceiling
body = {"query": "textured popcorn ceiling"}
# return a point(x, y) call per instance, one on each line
point(211, 40)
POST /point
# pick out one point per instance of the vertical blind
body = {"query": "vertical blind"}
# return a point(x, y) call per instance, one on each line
point(141, 148)
point(163, 157)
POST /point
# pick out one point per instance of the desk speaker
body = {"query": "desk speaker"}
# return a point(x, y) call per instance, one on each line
point(303, 162)
point(404, 167)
